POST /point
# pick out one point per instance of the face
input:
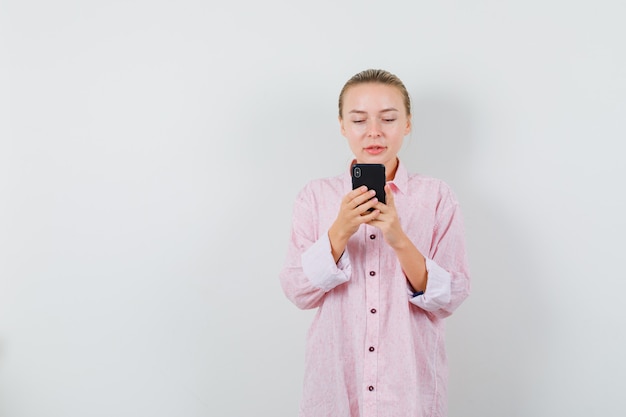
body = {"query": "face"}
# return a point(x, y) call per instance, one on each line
point(375, 123)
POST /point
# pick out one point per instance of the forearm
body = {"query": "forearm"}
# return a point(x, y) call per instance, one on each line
point(413, 263)
point(338, 242)
point(310, 273)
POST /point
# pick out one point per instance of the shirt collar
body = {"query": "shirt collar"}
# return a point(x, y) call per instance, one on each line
point(398, 183)
point(401, 181)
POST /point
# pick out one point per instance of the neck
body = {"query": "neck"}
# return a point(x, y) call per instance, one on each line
point(390, 169)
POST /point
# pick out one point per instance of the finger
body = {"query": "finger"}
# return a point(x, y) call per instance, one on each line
point(353, 194)
point(366, 206)
point(356, 192)
point(382, 207)
point(364, 198)
point(370, 216)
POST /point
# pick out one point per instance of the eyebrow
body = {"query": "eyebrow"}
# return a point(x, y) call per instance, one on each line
point(382, 111)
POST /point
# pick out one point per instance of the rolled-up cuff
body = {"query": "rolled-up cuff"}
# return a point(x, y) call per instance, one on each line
point(438, 288)
point(320, 267)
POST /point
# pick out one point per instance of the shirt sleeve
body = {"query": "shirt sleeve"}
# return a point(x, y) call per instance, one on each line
point(319, 265)
point(448, 282)
point(310, 271)
point(438, 288)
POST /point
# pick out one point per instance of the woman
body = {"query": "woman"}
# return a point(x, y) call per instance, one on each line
point(382, 280)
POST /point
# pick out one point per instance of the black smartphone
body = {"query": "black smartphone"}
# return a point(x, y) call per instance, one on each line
point(372, 176)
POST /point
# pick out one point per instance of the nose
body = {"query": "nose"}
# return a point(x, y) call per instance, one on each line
point(373, 129)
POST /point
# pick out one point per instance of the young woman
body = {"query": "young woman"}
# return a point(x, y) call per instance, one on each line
point(382, 280)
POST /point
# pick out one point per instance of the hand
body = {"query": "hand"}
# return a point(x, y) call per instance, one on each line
point(387, 220)
point(411, 259)
point(352, 213)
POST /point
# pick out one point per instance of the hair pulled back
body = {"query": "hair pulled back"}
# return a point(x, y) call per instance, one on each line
point(376, 76)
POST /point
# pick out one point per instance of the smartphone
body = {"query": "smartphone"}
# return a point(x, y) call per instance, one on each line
point(372, 176)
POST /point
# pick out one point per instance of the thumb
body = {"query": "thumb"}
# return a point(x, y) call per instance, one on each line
point(389, 196)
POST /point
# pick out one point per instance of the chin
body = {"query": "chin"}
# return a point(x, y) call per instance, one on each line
point(375, 159)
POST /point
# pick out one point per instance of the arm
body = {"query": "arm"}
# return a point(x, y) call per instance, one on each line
point(318, 262)
point(295, 283)
point(447, 265)
point(310, 272)
point(352, 213)
point(413, 264)
point(411, 260)
point(442, 274)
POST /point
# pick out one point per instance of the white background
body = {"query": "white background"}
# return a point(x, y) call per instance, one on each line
point(150, 153)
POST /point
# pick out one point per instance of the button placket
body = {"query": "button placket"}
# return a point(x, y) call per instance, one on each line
point(372, 318)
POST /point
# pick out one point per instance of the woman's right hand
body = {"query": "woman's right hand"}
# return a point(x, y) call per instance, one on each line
point(352, 213)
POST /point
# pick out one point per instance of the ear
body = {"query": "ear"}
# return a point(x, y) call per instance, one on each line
point(409, 125)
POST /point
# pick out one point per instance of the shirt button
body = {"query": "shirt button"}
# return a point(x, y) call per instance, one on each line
point(371, 388)
point(372, 237)
point(372, 273)
point(373, 311)
point(372, 348)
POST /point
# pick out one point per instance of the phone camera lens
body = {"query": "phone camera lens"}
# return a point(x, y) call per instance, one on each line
point(357, 172)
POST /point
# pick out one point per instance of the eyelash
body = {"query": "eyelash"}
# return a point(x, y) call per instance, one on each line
point(384, 120)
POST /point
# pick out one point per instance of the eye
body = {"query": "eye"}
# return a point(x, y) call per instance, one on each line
point(389, 120)
point(358, 121)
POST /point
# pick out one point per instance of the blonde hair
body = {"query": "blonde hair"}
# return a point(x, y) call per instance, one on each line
point(376, 76)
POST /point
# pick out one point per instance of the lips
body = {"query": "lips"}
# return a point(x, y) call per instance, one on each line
point(375, 150)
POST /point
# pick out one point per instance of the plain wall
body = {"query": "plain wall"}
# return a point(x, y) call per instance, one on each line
point(151, 151)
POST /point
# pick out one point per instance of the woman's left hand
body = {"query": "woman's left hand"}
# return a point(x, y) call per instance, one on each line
point(411, 259)
point(387, 220)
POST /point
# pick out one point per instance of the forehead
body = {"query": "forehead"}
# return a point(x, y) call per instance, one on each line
point(371, 96)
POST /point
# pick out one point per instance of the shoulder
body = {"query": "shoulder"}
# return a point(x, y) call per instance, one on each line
point(431, 188)
point(428, 182)
point(322, 188)
point(323, 184)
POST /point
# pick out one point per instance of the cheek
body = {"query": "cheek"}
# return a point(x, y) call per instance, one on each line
point(402, 130)
point(355, 130)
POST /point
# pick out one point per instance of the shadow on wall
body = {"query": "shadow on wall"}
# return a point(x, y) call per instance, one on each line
point(496, 340)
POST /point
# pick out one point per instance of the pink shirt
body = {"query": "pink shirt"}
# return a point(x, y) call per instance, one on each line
point(373, 349)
